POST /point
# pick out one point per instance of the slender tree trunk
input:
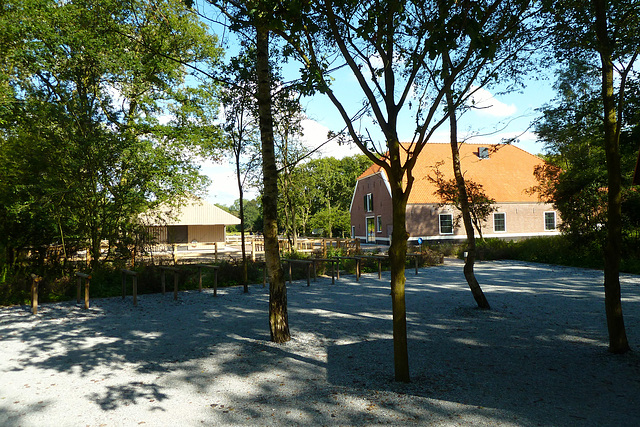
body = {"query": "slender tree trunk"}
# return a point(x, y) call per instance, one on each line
point(397, 258)
point(278, 317)
point(245, 279)
point(469, 274)
point(612, 296)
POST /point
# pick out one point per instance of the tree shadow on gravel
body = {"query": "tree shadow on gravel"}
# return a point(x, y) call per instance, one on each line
point(539, 357)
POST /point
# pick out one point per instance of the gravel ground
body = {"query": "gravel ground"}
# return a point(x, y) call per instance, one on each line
point(539, 357)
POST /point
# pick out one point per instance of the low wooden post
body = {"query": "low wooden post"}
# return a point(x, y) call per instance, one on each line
point(175, 285)
point(135, 290)
point(35, 281)
point(215, 246)
point(124, 284)
point(78, 284)
point(338, 269)
point(87, 279)
point(126, 273)
point(215, 276)
point(379, 268)
point(175, 280)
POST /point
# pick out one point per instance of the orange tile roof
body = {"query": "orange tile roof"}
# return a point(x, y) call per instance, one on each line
point(505, 175)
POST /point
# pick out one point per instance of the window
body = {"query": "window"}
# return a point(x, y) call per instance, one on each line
point(368, 202)
point(446, 224)
point(549, 221)
point(499, 221)
point(379, 224)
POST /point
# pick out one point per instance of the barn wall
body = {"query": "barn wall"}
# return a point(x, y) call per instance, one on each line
point(207, 233)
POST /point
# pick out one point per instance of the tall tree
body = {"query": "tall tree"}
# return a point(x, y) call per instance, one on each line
point(104, 70)
point(483, 43)
point(606, 34)
point(278, 316)
point(394, 49)
point(241, 129)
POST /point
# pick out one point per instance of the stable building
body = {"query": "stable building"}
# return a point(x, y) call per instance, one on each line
point(194, 223)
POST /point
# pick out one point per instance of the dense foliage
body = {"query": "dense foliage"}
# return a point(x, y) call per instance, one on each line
point(85, 144)
point(575, 176)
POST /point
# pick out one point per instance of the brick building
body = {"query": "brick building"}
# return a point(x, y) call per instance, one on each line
point(504, 171)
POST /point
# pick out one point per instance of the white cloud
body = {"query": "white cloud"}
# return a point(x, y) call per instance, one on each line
point(316, 134)
point(224, 185)
point(485, 103)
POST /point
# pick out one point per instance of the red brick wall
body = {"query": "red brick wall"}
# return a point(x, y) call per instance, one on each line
point(375, 185)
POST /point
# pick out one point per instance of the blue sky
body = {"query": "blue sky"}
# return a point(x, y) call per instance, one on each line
point(504, 116)
point(516, 111)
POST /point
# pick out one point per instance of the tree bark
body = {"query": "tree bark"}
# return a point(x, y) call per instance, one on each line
point(618, 342)
point(397, 259)
point(278, 317)
point(469, 274)
point(245, 278)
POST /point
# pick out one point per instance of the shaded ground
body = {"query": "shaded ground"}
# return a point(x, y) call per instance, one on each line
point(538, 358)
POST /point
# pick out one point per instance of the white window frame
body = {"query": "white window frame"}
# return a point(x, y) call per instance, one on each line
point(379, 224)
point(369, 202)
point(440, 222)
point(555, 221)
point(504, 215)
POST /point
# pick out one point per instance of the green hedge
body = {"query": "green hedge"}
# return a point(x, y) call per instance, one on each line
point(560, 250)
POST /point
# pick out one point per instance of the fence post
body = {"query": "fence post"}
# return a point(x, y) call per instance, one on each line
point(135, 290)
point(79, 283)
point(215, 282)
point(175, 285)
point(35, 280)
point(87, 279)
point(86, 293)
point(124, 284)
point(215, 245)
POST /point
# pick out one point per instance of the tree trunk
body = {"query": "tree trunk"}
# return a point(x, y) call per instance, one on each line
point(278, 317)
point(245, 279)
point(612, 296)
point(397, 258)
point(469, 274)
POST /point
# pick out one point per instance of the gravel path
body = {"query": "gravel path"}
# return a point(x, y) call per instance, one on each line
point(539, 357)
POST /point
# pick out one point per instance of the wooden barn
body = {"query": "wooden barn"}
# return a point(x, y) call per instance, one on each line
point(194, 223)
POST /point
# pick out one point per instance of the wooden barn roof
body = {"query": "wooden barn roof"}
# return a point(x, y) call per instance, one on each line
point(505, 175)
point(192, 212)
